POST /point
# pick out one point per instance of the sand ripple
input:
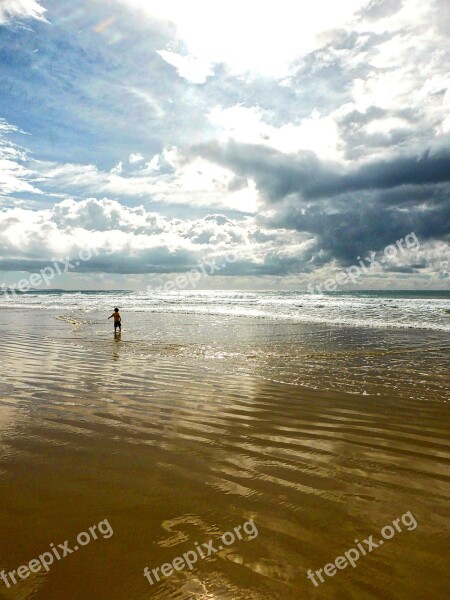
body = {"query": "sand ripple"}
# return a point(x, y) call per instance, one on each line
point(172, 453)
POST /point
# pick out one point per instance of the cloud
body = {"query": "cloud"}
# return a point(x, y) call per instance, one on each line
point(21, 9)
point(166, 179)
point(279, 175)
point(350, 211)
point(248, 125)
point(133, 240)
point(380, 9)
point(355, 227)
point(244, 40)
point(308, 134)
point(135, 158)
point(15, 177)
point(193, 69)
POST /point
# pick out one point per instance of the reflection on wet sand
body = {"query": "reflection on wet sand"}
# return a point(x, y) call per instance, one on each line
point(172, 453)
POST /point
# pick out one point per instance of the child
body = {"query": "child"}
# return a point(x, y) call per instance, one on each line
point(117, 320)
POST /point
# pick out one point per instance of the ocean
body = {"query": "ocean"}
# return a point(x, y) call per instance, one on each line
point(386, 309)
point(358, 342)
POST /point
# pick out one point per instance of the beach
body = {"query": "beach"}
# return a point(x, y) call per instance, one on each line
point(224, 300)
point(193, 422)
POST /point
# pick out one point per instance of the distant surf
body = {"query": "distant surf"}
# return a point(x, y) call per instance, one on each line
point(404, 309)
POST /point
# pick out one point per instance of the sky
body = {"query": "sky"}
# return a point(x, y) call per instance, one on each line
point(300, 138)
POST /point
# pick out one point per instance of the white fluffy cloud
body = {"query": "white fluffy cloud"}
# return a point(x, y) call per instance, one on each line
point(166, 178)
point(133, 240)
point(20, 9)
point(135, 157)
point(193, 69)
point(133, 235)
point(316, 133)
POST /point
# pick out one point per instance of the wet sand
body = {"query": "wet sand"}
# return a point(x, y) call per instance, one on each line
point(174, 450)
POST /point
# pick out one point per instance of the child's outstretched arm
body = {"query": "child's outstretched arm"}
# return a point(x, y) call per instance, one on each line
point(111, 316)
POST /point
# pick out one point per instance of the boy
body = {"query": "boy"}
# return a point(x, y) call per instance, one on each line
point(117, 320)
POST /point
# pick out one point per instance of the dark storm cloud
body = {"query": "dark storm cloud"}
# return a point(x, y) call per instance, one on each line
point(350, 213)
point(414, 194)
point(360, 143)
point(353, 227)
point(278, 175)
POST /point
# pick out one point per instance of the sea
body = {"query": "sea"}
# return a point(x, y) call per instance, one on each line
point(363, 342)
point(429, 310)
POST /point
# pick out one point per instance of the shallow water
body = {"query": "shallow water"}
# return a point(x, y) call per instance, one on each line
point(406, 363)
point(179, 430)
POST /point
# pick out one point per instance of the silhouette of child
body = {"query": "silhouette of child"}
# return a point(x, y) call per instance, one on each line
point(117, 320)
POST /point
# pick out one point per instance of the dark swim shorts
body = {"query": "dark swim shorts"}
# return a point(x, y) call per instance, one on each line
point(117, 324)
